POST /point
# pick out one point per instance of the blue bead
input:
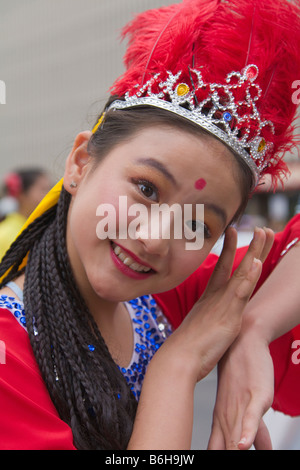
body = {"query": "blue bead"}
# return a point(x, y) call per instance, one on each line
point(144, 318)
point(227, 116)
point(91, 347)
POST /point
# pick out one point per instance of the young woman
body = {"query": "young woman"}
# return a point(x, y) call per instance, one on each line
point(114, 333)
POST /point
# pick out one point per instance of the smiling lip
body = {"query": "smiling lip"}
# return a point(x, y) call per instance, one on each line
point(126, 270)
point(134, 257)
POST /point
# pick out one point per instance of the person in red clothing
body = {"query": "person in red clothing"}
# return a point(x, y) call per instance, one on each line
point(106, 335)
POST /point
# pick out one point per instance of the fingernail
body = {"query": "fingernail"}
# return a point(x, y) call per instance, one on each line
point(242, 441)
point(255, 264)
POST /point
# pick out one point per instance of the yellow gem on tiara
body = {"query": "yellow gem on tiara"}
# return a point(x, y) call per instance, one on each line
point(182, 89)
point(262, 145)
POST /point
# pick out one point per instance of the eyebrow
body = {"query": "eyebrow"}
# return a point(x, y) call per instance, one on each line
point(158, 166)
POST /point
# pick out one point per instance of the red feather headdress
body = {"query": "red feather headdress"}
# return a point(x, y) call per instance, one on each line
point(228, 65)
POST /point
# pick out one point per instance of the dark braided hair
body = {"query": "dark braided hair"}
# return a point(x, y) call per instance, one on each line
point(85, 385)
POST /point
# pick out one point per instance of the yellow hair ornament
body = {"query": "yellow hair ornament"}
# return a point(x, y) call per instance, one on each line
point(98, 123)
point(49, 201)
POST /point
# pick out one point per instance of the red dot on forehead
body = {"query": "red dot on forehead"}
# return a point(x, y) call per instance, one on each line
point(200, 184)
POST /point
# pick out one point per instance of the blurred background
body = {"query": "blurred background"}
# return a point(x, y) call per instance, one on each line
point(58, 59)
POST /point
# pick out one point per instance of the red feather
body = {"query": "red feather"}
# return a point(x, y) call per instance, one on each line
point(221, 37)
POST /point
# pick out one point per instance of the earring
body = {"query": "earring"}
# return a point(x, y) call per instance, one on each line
point(73, 185)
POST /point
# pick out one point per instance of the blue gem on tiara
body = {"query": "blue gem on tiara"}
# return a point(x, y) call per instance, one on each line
point(227, 117)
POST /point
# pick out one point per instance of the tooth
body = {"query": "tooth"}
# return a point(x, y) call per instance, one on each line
point(134, 266)
point(141, 268)
point(146, 269)
point(122, 256)
point(129, 261)
point(117, 250)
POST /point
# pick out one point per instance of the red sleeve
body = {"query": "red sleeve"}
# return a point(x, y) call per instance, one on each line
point(28, 418)
point(177, 302)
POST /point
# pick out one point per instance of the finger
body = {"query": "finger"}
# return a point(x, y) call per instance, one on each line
point(254, 253)
point(223, 268)
point(257, 434)
point(253, 428)
point(245, 288)
point(258, 243)
point(237, 294)
point(216, 440)
point(268, 244)
point(263, 439)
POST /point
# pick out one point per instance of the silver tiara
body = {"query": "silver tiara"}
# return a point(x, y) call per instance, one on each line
point(227, 111)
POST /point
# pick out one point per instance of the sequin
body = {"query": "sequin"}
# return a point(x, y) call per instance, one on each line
point(16, 308)
point(150, 334)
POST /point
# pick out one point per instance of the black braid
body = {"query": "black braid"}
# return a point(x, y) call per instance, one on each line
point(86, 386)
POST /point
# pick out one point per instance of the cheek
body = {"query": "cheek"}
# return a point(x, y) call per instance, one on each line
point(185, 262)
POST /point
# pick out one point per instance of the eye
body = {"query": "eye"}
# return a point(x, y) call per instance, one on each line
point(148, 189)
point(198, 227)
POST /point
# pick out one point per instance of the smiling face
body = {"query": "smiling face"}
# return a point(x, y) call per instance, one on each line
point(156, 165)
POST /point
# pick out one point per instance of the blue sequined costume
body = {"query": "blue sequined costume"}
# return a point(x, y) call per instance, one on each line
point(150, 329)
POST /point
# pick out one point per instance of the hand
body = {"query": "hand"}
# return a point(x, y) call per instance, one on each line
point(245, 393)
point(194, 349)
point(245, 388)
point(215, 320)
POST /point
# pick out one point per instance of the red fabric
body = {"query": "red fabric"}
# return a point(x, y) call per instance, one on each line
point(177, 302)
point(28, 419)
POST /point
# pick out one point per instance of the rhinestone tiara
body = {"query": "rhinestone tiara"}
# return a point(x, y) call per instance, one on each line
point(228, 110)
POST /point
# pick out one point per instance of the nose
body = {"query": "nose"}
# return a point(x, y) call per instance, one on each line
point(155, 246)
point(155, 241)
